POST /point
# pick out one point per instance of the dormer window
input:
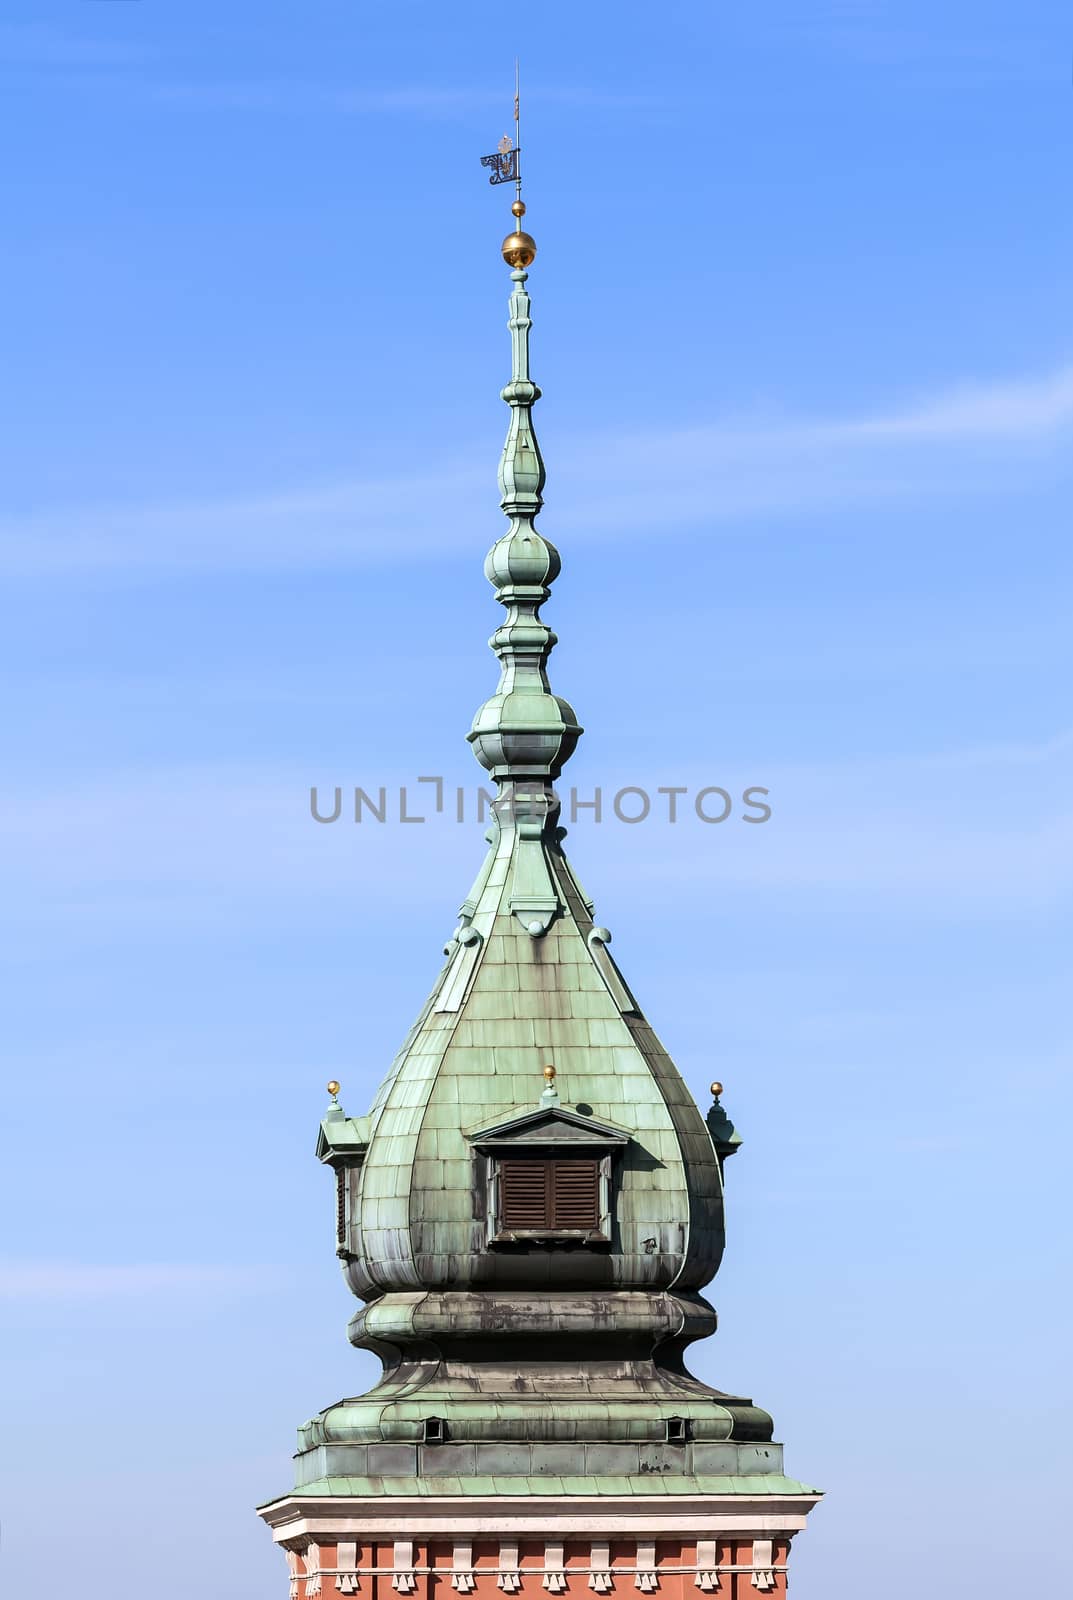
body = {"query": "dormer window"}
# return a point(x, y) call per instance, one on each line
point(547, 1175)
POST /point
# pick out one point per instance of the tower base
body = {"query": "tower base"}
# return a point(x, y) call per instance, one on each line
point(488, 1543)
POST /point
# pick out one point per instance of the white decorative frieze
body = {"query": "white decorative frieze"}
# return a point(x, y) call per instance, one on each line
point(647, 1578)
point(346, 1564)
point(600, 1577)
point(313, 1569)
point(403, 1578)
point(462, 1577)
point(554, 1579)
point(706, 1577)
point(763, 1575)
point(509, 1579)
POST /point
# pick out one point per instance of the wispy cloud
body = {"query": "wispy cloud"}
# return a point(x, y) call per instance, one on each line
point(429, 101)
point(43, 45)
point(317, 525)
point(917, 832)
point(79, 1280)
point(176, 847)
point(1025, 408)
point(79, 57)
point(970, 57)
point(730, 469)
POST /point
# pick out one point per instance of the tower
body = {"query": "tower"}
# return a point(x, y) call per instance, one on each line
point(529, 1213)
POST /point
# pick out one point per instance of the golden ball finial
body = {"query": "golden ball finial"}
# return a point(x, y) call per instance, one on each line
point(333, 1088)
point(717, 1089)
point(549, 1073)
point(519, 249)
point(518, 208)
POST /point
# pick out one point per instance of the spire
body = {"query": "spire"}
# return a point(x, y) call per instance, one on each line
point(531, 1262)
point(524, 734)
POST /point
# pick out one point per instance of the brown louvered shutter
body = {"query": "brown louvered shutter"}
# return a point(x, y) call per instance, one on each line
point(525, 1193)
point(559, 1195)
point(575, 1194)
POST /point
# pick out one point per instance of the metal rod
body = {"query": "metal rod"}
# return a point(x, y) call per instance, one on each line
point(517, 132)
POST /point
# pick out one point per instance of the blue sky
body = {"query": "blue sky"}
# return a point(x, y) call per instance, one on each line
point(802, 322)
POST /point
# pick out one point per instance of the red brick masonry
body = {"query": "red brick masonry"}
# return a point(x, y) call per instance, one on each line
point(731, 1568)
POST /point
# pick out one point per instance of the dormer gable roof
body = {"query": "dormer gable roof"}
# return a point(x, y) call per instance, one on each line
point(547, 1125)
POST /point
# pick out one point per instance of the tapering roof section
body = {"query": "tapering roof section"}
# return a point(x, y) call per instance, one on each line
point(524, 732)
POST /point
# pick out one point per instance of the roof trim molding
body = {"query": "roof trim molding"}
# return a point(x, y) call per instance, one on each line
point(547, 1125)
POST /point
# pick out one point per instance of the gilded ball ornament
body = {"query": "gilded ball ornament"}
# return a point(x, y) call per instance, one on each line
point(549, 1073)
point(333, 1087)
point(717, 1089)
point(519, 249)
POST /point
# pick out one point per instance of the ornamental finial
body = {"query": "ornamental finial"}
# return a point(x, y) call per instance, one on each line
point(550, 1095)
point(518, 248)
point(524, 734)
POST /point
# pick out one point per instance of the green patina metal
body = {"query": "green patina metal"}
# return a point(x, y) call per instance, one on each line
point(506, 1486)
point(540, 1366)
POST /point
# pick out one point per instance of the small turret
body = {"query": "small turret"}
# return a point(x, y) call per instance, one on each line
point(725, 1137)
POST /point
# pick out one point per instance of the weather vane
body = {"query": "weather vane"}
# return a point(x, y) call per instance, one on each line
point(505, 162)
point(519, 248)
